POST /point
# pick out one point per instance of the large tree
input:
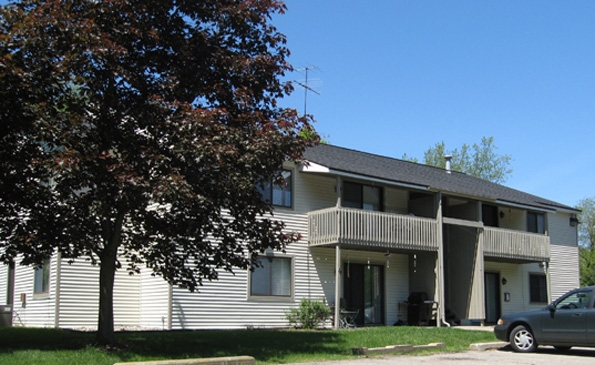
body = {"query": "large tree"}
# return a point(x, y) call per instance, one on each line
point(480, 160)
point(586, 240)
point(138, 131)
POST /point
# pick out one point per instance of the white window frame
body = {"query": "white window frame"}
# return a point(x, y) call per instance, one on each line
point(41, 279)
point(268, 190)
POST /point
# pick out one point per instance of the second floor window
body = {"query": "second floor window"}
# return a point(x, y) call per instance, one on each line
point(362, 196)
point(278, 191)
point(535, 222)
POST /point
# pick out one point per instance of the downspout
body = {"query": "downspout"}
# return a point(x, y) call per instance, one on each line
point(546, 264)
point(440, 273)
point(58, 278)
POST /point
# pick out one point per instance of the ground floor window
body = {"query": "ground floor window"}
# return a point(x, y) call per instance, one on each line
point(273, 278)
point(538, 288)
point(41, 280)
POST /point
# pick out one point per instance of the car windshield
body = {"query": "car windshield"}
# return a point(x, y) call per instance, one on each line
point(575, 300)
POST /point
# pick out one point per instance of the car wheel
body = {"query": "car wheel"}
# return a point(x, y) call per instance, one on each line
point(522, 340)
point(562, 348)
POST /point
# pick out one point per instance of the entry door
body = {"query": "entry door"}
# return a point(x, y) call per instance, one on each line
point(363, 290)
point(492, 297)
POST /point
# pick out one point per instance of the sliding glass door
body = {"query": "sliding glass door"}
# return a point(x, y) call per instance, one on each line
point(364, 291)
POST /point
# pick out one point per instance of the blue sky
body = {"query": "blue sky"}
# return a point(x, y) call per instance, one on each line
point(398, 76)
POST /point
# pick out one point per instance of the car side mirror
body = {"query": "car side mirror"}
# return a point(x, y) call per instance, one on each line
point(551, 307)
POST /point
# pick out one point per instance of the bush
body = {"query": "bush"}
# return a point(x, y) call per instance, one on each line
point(309, 315)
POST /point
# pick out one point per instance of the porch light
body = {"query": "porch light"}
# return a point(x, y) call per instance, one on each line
point(574, 221)
point(504, 281)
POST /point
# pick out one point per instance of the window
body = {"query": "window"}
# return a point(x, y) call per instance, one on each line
point(537, 286)
point(273, 278)
point(41, 280)
point(535, 222)
point(489, 215)
point(362, 196)
point(577, 300)
point(278, 191)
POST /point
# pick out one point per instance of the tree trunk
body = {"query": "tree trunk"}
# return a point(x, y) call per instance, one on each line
point(112, 235)
point(107, 272)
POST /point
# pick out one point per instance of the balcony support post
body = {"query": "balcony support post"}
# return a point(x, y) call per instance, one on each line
point(440, 312)
point(338, 189)
point(337, 286)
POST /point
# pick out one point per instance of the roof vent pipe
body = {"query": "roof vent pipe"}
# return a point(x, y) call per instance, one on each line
point(448, 158)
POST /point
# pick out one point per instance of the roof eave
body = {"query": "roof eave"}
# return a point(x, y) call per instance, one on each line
point(312, 167)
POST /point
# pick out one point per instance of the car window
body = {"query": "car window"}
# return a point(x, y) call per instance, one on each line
point(574, 300)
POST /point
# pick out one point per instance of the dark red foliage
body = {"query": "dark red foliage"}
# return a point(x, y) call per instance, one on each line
point(139, 129)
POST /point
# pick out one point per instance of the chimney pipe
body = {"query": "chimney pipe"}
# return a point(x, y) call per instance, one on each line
point(448, 158)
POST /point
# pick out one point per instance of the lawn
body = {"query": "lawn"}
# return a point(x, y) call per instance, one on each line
point(52, 346)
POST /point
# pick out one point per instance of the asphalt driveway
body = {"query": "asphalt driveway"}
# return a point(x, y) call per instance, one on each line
point(544, 355)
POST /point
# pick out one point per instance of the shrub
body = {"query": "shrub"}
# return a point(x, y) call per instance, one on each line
point(309, 315)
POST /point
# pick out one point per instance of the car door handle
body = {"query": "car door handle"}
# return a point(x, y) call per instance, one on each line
point(577, 314)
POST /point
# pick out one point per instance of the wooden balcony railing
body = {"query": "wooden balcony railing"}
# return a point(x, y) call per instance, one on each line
point(372, 229)
point(509, 244)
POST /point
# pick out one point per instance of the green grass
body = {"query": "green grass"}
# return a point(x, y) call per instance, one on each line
point(51, 346)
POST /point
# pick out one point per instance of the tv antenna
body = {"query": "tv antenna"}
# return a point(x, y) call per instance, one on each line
point(306, 85)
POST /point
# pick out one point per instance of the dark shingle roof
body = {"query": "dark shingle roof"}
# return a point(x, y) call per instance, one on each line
point(399, 171)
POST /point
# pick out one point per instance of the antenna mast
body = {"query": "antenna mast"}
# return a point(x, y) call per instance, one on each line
point(306, 86)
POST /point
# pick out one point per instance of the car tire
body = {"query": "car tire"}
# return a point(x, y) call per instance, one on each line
point(562, 348)
point(522, 340)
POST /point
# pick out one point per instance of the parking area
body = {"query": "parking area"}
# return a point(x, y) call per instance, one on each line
point(543, 355)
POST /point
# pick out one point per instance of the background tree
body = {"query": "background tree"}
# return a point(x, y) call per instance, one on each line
point(586, 240)
point(136, 132)
point(480, 160)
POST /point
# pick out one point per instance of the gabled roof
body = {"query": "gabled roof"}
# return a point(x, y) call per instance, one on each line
point(343, 161)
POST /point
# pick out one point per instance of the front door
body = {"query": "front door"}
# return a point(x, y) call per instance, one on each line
point(492, 297)
point(363, 291)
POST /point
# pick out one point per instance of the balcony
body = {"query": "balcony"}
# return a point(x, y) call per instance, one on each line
point(516, 245)
point(367, 229)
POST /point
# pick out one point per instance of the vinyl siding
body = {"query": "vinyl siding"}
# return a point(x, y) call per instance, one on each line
point(79, 295)
point(154, 301)
point(313, 192)
point(77, 305)
point(517, 284)
point(226, 303)
point(127, 298)
point(564, 269)
point(564, 262)
point(3, 283)
point(37, 310)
